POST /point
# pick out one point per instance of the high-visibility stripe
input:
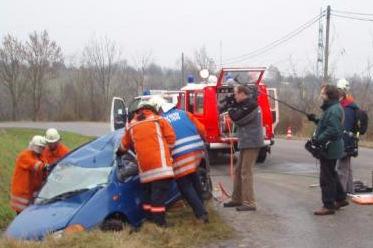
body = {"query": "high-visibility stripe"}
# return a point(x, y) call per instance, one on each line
point(187, 139)
point(188, 159)
point(158, 209)
point(187, 147)
point(37, 165)
point(183, 169)
point(19, 199)
point(18, 206)
point(148, 119)
point(156, 173)
point(161, 145)
point(146, 206)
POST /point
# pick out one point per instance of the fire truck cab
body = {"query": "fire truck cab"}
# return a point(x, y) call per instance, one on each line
point(207, 100)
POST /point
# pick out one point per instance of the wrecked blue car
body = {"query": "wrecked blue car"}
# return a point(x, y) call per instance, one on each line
point(88, 188)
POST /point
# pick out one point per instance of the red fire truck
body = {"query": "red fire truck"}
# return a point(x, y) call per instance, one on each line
point(206, 102)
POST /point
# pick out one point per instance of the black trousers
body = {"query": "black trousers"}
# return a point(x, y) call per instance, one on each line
point(191, 189)
point(155, 196)
point(331, 188)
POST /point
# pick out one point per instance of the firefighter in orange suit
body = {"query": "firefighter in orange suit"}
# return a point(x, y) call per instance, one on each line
point(187, 153)
point(28, 174)
point(55, 150)
point(150, 135)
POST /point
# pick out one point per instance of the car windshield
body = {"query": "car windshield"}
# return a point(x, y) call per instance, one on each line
point(85, 168)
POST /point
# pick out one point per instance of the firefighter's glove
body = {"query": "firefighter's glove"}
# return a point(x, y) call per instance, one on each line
point(120, 152)
point(312, 117)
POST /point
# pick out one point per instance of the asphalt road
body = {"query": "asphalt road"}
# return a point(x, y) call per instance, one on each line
point(285, 199)
point(286, 203)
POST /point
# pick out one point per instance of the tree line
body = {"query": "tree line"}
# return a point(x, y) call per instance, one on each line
point(37, 83)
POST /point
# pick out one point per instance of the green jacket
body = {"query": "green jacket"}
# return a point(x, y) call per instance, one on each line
point(330, 129)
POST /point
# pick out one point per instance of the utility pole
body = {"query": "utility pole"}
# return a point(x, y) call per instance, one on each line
point(326, 54)
point(182, 69)
point(320, 48)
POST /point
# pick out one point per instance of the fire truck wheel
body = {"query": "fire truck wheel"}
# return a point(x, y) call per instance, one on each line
point(262, 155)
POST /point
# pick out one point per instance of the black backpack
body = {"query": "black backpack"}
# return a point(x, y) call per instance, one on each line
point(361, 121)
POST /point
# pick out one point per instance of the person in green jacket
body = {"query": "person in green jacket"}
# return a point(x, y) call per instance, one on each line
point(329, 134)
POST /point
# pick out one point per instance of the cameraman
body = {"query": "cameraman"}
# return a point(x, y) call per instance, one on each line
point(246, 115)
point(329, 133)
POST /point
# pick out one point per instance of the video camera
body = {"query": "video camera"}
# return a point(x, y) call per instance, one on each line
point(226, 103)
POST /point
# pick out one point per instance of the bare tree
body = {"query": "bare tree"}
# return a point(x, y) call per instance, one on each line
point(203, 60)
point(102, 56)
point(141, 62)
point(41, 54)
point(11, 59)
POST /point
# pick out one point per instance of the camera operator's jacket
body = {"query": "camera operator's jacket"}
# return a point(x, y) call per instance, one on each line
point(330, 129)
point(247, 117)
point(151, 139)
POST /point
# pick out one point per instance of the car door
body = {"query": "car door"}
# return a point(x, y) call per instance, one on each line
point(118, 116)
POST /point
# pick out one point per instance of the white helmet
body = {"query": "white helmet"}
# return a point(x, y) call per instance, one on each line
point(52, 135)
point(144, 104)
point(37, 143)
point(161, 103)
point(156, 101)
point(343, 84)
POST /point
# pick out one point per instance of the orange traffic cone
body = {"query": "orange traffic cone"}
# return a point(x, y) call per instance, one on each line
point(289, 133)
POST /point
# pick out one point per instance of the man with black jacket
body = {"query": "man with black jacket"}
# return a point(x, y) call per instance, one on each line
point(246, 115)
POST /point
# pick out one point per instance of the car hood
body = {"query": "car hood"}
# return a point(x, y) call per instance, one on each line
point(36, 221)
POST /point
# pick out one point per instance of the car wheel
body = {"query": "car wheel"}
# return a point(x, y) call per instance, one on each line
point(112, 225)
point(262, 155)
point(206, 183)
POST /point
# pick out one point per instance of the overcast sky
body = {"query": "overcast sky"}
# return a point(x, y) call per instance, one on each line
point(169, 27)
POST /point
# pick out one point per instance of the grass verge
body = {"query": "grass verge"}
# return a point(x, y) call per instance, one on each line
point(185, 233)
point(12, 141)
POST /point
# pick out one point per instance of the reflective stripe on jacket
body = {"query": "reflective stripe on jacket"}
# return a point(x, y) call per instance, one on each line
point(189, 146)
point(151, 139)
point(187, 137)
point(187, 164)
point(27, 179)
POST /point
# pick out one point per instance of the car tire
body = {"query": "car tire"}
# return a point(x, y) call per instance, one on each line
point(262, 155)
point(112, 225)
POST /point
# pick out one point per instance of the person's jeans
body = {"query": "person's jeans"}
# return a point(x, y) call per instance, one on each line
point(243, 184)
point(191, 189)
point(345, 174)
point(331, 188)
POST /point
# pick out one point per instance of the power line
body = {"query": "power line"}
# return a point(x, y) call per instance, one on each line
point(278, 40)
point(352, 13)
point(353, 18)
point(275, 43)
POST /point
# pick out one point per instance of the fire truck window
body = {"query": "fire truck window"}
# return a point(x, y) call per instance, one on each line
point(191, 103)
point(199, 103)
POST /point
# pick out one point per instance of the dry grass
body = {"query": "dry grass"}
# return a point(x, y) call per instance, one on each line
point(185, 233)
